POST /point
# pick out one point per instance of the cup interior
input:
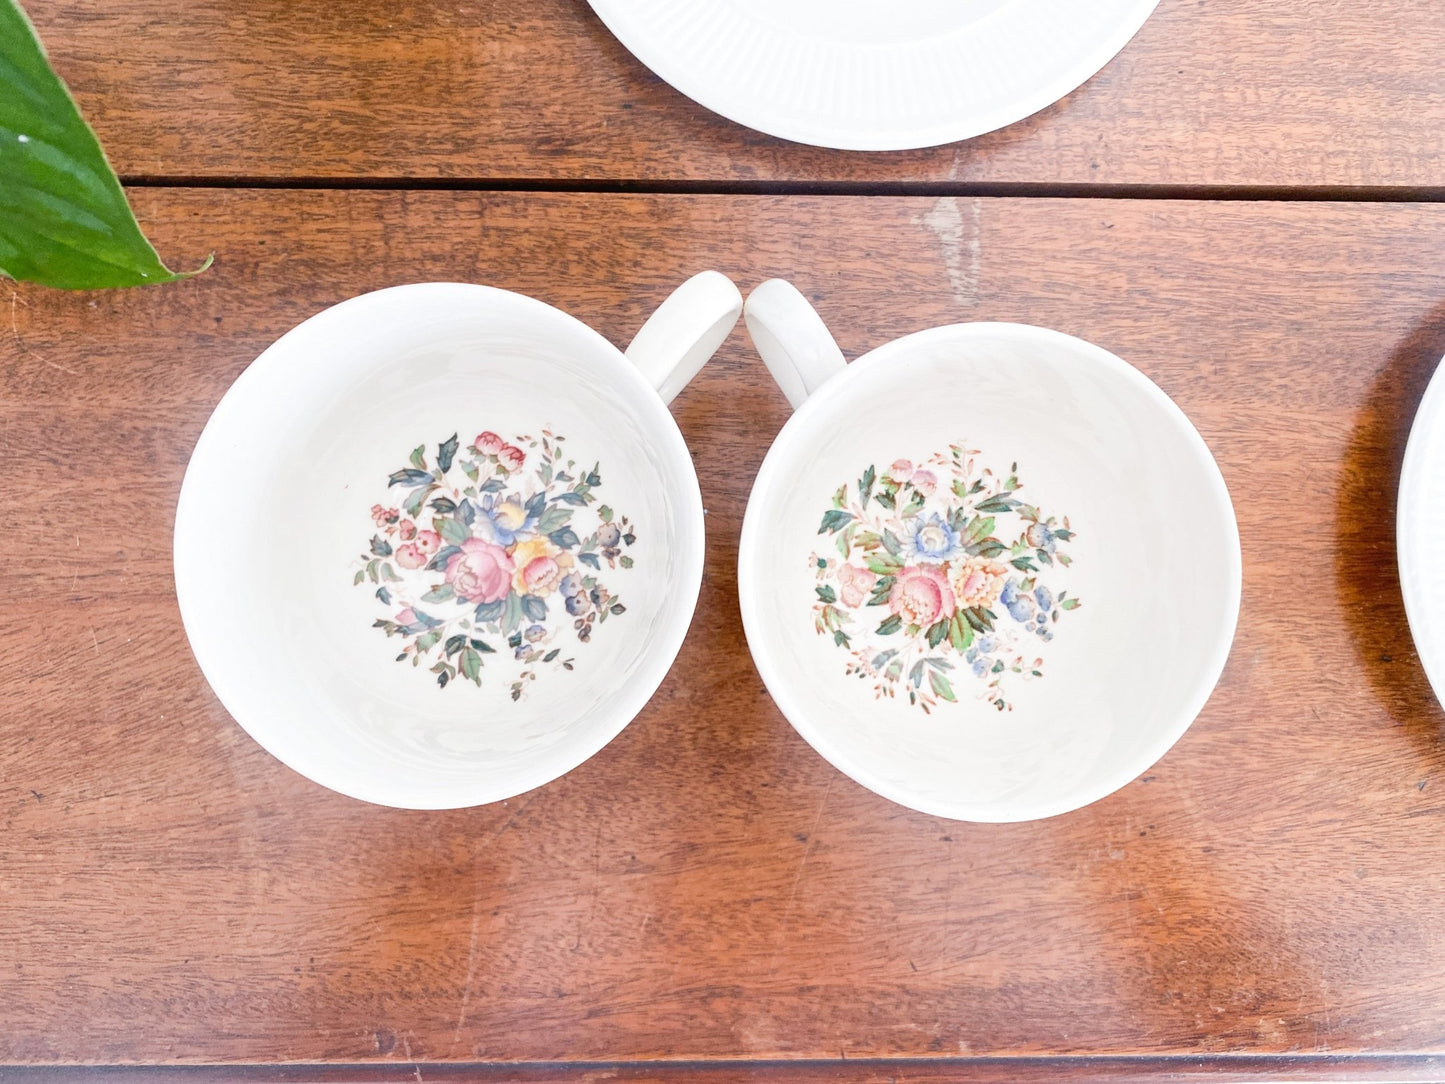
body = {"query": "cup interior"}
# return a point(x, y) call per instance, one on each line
point(297, 512)
point(1137, 508)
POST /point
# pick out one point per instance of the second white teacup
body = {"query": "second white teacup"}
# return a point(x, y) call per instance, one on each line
point(989, 571)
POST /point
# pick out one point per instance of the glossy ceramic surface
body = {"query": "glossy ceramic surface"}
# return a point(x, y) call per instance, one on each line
point(989, 571)
point(405, 605)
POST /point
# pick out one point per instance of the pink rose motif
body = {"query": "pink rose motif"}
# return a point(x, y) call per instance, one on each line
point(407, 530)
point(511, 457)
point(382, 516)
point(901, 470)
point(855, 584)
point(481, 572)
point(977, 581)
point(406, 617)
point(539, 575)
point(428, 542)
point(408, 556)
point(925, 482)
point(489, 443)
point(921, 595)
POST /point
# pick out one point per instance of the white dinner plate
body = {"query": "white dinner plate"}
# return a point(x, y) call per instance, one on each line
point(860, 75)
point(1420, 520)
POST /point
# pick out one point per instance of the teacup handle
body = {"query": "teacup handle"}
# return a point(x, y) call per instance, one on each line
point(685, 331)
point(793, 340)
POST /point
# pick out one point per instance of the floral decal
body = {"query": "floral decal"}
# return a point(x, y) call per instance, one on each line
point(940, 565)
point(482, 556)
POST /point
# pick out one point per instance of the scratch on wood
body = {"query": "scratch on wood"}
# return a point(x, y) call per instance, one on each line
point(802, 864)
point(471, 969)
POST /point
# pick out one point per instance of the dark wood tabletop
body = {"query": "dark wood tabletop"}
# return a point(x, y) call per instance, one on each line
point(707, 900)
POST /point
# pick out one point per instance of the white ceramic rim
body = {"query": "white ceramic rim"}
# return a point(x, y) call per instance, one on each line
point(616, 15)
point(231, 689)
point(1416, 497)
point(794, 708)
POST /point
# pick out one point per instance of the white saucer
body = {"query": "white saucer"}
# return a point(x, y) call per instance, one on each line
point(1420, 518)
point(858, 75)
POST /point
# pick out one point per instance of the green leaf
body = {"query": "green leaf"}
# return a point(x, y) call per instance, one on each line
point(455, 531)
point(938, 631)
point(625, 561)
point(881, 590)
point(446, 451)
point(418, 457)
point(891, 543)
point(534, 607)
point(977, 618)
point(512, 615)
point(427, 640)
point(64, 220)
point(916, 674)
point(826, 593)
point(564, 538)
point(470, 665)
point(883, 564)
point(979, 529)
point(440, 593)
point(1069, 604)
point(414, 502)
point(840, 638)
point(482, 646)
point(358, 577)
point(1024, 564)
point(960, 632)
point(833, 519)
point(409, 477)
point(554, 517)
point(990, 547)
point(940, 685)
point(380, 546)
point(890, 625)
point(454, 644)
point(999, 503)
point(865, 485)
point(605, 513)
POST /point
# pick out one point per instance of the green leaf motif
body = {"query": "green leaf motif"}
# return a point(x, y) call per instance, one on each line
point(455, 531)
point(865, 485)
point(826, 593)
point(833, 519)
point(938, 631)
point(440, 593)
point(66, 222)
point(940, 685)
point(446, 452)
point(418, 457)
point(554, 517)
point(471, 666)
point(890, 625)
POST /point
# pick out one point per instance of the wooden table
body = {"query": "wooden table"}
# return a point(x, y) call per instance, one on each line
point(707, 900)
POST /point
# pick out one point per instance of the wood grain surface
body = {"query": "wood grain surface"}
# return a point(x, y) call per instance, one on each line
point(707, 886)
point(1210, 92)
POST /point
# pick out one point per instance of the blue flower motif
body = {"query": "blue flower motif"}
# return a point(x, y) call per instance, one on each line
point(571, 584)
point(1019, 606)
point(980, 667)
point(1041, 538)
point(505, 521)
point(535, 633)
point(1046, 599)
point(577, 604)
point(931, 539)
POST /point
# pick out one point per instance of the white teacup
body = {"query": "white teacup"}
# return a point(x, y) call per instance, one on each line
point(440, 543)
point(989, 571)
